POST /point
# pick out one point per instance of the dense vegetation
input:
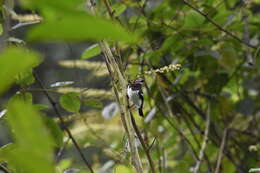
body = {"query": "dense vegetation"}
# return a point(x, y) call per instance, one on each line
point(200, 63)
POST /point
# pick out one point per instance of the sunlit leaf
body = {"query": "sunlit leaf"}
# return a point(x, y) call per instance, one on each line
point(123, 168)
point(4, 150)
point(70, 102)
point(14, 61)
point(25, 97)
point(79, 26)
point(91, 51)
point(193, 20)
point(25, 78)
point(41, 106)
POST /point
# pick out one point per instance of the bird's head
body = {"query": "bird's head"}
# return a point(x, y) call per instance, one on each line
point(139, 81)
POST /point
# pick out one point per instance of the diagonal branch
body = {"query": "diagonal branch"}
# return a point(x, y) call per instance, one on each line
point(221, 150)
point(119, 85)
point(54, 105)
point(218, 26)
point(204, 144)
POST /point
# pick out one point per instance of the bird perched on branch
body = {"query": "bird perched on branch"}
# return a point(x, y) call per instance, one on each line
point(135, 95)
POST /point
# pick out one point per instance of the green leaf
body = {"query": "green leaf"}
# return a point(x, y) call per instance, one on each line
point(216, 82)
point(91, 51)
point(41, 106)
point(193, 20)
point(123, 168)
point(228, 57)
point(25, 78)
point(25, 97)
point(70, 102)
point(54, 130)
point(4, 150)
point(118, 9)
point(14, 61)
point(79, 26)
point(34, 145)
point(95, 103)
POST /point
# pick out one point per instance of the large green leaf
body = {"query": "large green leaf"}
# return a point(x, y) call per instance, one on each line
point(70, 102)
point(79, 26)
point(14, 61)
point(33, 152)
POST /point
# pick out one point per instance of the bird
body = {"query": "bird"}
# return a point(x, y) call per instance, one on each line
point(135, 94)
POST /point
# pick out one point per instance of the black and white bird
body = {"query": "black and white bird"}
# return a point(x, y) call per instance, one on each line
point(135, 95)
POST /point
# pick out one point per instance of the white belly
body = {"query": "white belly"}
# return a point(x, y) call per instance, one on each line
point(134, 97)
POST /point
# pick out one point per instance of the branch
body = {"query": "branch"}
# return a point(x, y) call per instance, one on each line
point(221, 151)
point(54, 105)
point(204, 144)
point(218, 26)
point(119, 83)
point(3, 168)
point(246, 38)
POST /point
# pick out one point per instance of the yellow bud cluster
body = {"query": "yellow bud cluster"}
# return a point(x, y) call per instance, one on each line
point(164, 69)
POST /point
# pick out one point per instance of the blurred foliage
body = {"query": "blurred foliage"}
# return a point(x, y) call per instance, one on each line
point(215, 79)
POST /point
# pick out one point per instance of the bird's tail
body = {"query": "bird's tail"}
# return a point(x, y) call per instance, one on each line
point(140, 110)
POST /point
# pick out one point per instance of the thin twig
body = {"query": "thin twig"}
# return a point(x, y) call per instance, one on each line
point(217, 25)
point(246, 38)
point(62, 149)
point(3, 168)
point(54, 105)
point(204, 144)
point(151, 146)
point(119, 85)
point(221, 150)
point(21, 24)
